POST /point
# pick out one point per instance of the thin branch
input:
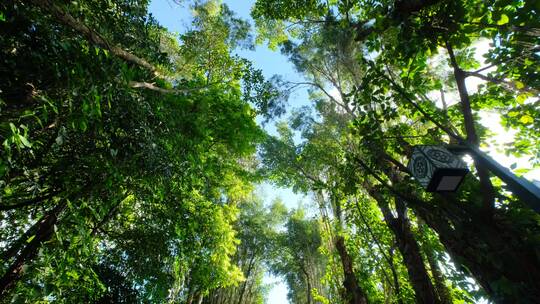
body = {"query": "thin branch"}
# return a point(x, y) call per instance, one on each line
point(409, 100)
point(315, 180)
point(91, 35)
point(525, 53)
point(151, 86)
point(27, 203)
point(395, 162)
point(508, 84)
point(405, 197)
point(332, 98)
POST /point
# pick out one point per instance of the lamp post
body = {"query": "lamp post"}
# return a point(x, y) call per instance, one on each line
point(525, 190)
point(439, 169)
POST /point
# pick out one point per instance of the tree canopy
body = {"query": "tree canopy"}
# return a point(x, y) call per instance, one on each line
point(132, 156)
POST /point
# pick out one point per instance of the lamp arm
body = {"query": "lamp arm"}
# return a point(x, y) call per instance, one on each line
point(525, 190)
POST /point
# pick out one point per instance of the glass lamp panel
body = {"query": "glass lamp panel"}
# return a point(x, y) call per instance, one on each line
point(449, 183)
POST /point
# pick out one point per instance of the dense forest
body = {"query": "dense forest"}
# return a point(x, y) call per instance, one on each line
point(131, 155)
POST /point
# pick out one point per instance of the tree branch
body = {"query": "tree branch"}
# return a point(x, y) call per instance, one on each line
point(152, 87)
point(488, 190)
point(27, 203)
point(508, 84)
point(91, 35)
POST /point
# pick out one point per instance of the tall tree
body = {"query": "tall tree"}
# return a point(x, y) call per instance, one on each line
point(298, 259)
point(126, 151)
point(394, 44)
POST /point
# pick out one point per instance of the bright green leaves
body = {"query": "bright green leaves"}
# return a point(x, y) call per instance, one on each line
point(283, 9)
point(526, 119)
point(521, 97)
point(504, 20)
point(519, 85)
point(73, 129)
point(297, 258)
point(17, 138)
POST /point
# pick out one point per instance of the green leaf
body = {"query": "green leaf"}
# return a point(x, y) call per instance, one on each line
point(3, 169)
point(522, 171)
point(2, 17)
point(73, 274)
point(521, 98)
point(30, 238)
point(25, 141)
point(504, 20)
point(526, 119)
point(58, 237)
point(83, 126)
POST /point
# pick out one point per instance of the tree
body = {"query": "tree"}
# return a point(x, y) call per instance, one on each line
point(102, 179)
point(297, 257)
point(256, 227)
point(389, 99)
point(130, 154)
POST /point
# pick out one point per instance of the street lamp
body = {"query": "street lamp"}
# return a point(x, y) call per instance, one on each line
point(439, 169)
point(436, 168)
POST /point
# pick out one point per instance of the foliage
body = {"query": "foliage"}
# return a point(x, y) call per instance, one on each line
point(130, 154)
point(373, 70)
point(143, 186)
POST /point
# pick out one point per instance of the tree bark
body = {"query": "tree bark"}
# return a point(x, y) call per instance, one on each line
point(308, 282)
point(354, 294)
point(91, 35)
point(442, 290)
point(488, 191)
point(248, 273)
point(407, 245)
point(44, 232)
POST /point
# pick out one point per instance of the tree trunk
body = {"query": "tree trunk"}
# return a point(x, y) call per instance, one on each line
point(442, 291)
point(472, 137)
point(308, 282)
point(354, 294)
point(43, 233)
point(483, 246)
point(199, 298)
point(407, 245)
point(248, 273)
point(17, 244)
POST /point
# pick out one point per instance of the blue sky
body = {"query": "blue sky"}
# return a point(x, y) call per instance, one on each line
point(177, 18)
